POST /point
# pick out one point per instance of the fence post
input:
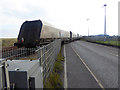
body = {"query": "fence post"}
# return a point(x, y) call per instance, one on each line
point(4, 76)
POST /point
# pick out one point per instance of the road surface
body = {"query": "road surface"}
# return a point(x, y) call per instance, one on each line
point(90, 65)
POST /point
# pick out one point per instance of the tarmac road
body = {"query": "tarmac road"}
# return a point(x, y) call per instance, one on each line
point(101, 60)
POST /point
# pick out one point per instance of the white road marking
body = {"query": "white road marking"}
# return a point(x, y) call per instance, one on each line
point(114, 54)
point(65, 70)
point(99, 83)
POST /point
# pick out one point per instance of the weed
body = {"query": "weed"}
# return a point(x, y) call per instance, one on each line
point(54, 81)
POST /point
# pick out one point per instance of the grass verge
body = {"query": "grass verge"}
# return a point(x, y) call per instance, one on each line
point(54, 80)
point(6, 42)
point(116, 43)
point(111, 43)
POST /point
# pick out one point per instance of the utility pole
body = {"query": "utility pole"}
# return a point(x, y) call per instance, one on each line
point(88, 25)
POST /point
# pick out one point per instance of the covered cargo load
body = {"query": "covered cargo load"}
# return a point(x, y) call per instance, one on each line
point(29, 34)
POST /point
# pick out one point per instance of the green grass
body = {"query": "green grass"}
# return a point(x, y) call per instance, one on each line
point(6, 42)
point(54, 80)
point(82, 39)
point(116, 43)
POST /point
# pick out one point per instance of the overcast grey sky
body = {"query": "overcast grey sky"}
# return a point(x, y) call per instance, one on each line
point(69, 15)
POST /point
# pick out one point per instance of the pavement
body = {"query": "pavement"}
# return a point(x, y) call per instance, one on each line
point(90, 65)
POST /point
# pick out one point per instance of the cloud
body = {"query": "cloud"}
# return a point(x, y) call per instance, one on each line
point(67, 15)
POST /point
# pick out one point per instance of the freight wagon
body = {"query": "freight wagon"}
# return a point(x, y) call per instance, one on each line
point(31, 33)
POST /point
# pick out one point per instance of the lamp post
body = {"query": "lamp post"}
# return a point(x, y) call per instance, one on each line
point(105, 20)
point(105, 23)
point(88, 25)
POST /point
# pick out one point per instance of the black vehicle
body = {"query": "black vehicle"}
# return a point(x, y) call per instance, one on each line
point(29, 35)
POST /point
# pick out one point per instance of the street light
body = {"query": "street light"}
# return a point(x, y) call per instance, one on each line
point(88, 25)
point(105, 23)
point(105, 20)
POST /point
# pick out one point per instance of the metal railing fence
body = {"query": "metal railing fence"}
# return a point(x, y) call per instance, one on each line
point(102, 38)
point(47, 56)
point(108, 40)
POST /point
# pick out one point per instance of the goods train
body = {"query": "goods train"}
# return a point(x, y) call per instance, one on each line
point(32, 31)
